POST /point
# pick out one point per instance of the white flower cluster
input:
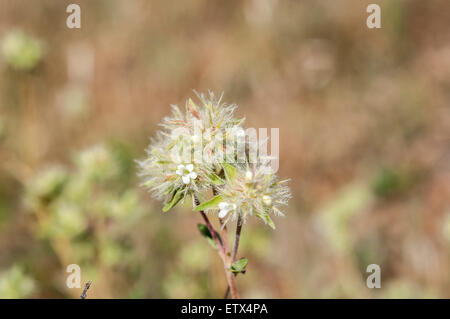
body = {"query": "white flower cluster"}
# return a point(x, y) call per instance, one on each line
point(186, 172)
point(186, 158)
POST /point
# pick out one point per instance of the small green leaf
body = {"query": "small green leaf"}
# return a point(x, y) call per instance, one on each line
point(269, 221)
point(239, 266)
point(204, 231)
point(230, 171)
point(216, 180)
point(176, 197)
point(210, 204)
point(266, 218)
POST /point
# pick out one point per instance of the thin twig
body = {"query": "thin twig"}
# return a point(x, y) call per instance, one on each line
point(226, 261)
point(211, 230)
point(86, 287)
point(236, 240)
point(235, 248)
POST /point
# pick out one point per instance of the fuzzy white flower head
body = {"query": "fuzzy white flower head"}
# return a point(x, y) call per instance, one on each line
point(184, 157)
point(252, 192)
point(172, 171)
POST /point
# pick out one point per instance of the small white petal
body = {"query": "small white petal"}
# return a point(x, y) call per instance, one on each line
point(186, 179)
point(193, 175)
point(180, 167)
point(238, 131)
point(222, 205)
point(267, 200)
point(189, 167)
point(223, 213)
point(234, 206)
point(179, 172)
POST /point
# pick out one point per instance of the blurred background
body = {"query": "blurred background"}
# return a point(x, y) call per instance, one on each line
point(364, 120)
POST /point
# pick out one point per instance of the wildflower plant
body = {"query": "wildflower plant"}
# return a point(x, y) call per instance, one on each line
point(16, 283)
point(86, 212)
point(202, 150)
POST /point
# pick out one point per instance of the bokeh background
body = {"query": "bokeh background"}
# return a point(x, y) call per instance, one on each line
point(364, 120)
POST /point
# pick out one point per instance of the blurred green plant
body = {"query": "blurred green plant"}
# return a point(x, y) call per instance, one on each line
point(392, 181)
point(15, 283)
point(336, 215)
point(21, 51)
point(74, 102)
point(86, 212)
point(187, 279)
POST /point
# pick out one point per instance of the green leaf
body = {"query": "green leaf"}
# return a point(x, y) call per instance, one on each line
point(216, 180)
point(266, 218)
point(269, 221)
point(210, 204)
point(230, 171)
point(176, 197)
point(239, 266)
point(204, 231)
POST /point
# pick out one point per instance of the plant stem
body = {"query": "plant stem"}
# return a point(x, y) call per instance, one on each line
point(223, 228)
point(235, 248)
point(236, 239)
point(223, 254)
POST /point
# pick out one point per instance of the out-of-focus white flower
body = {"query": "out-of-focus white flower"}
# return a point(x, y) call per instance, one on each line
point(225, 208)
point(186, 172)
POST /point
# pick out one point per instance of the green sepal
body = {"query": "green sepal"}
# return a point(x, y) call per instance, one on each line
point(176, 197)
point(210, 204)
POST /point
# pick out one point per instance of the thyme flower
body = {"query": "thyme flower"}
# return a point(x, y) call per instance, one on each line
point(186, 172)
point(186, 158)
point(253, 192)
